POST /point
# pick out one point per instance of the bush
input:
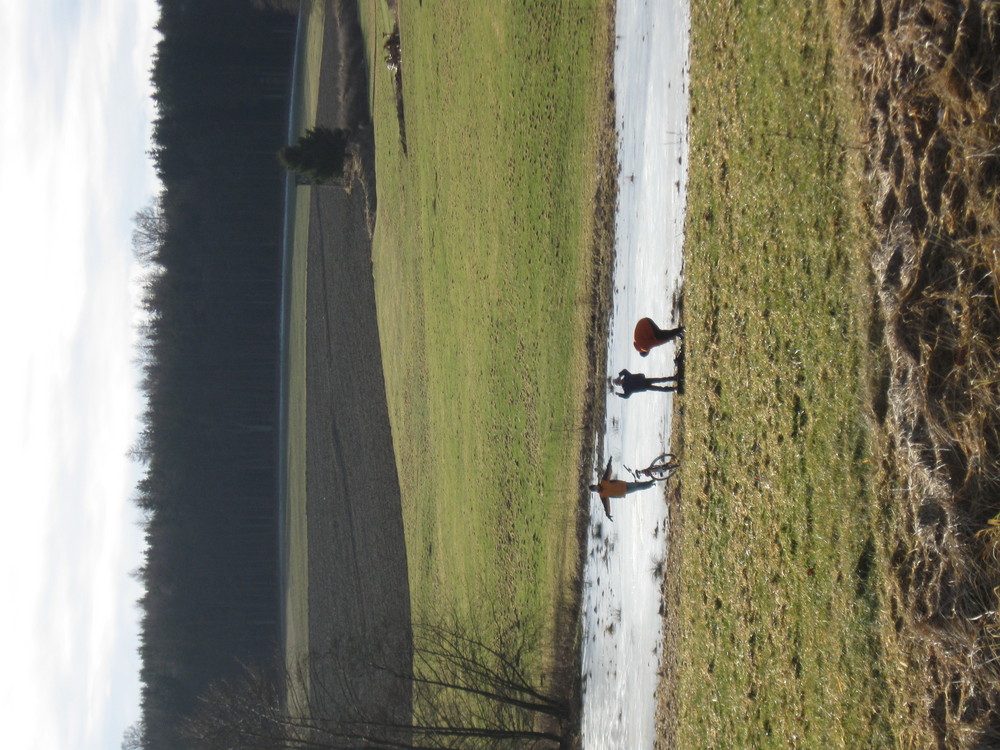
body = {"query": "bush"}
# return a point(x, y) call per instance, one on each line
point(318, 156)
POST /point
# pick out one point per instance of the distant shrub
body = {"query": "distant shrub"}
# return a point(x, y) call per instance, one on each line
point(285, 6)
point(318, 156)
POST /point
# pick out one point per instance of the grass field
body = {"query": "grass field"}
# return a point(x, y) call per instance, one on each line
point(782, 564)
point(484, 278)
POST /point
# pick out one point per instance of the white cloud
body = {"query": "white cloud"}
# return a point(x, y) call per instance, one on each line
point(74, 119)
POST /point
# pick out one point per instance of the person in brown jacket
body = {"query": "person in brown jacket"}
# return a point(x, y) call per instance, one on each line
point(648, 335)
point(608, 488)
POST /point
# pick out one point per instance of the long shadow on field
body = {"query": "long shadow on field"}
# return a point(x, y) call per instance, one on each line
point(359, 593)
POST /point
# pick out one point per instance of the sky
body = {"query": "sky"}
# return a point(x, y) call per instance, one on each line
point(75, 115)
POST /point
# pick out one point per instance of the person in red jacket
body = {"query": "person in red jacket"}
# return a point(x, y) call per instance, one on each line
point(608, 488)
point(648, 335)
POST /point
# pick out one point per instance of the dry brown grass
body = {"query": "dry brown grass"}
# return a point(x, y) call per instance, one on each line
point(929, 80)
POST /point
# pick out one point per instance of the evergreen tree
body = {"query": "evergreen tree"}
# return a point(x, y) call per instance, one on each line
point(319, 156)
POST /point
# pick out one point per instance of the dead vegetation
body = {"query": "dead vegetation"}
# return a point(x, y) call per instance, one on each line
point(394, 64)
point(929, 79)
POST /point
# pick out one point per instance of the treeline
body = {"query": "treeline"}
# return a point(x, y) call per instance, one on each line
point(221, 76)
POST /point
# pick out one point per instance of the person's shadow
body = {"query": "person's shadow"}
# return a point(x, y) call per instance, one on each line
point(679, 367)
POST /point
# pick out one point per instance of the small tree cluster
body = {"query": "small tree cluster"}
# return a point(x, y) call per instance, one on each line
point(319, 156)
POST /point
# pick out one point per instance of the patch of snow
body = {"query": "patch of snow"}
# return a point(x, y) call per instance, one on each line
point(621, 616)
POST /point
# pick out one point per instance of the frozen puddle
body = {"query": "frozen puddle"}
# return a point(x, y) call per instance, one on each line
point(622, 627)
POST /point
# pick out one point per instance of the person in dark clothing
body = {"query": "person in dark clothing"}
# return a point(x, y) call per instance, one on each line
point(635, 382)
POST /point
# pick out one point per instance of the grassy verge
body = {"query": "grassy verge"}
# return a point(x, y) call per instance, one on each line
point(484, 279)
point(933, 170)
point(781, 564)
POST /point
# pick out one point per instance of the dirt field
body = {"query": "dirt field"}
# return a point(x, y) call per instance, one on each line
point(357, 555)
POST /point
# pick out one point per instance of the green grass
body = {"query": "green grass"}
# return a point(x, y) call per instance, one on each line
point(483, 263)
point(782, 565)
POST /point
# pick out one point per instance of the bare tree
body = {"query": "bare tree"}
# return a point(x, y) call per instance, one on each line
point(133, 737)
point(149, 229)
point(457, 660)
point(467, 694)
